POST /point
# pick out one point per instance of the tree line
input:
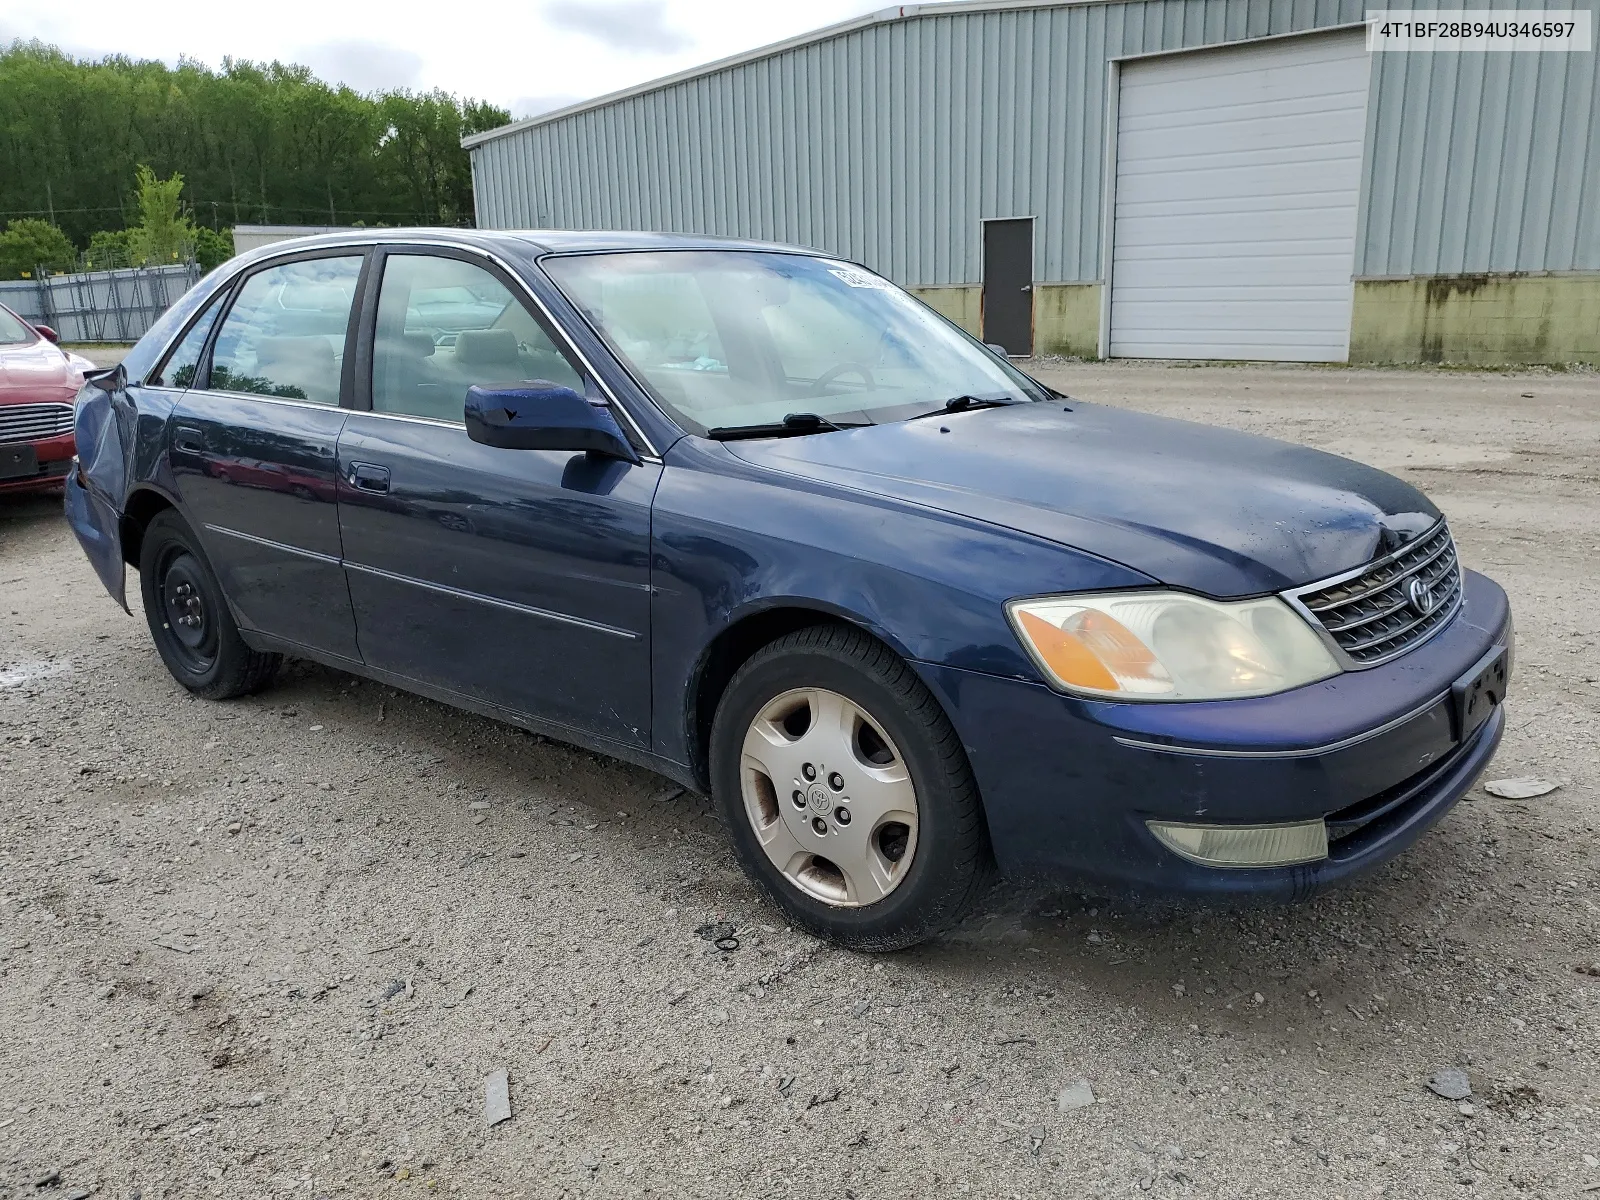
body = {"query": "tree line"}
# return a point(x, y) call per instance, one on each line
point(254, 143)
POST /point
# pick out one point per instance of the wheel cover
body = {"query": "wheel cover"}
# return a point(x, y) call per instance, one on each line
point(829, 797)
point(188, 618)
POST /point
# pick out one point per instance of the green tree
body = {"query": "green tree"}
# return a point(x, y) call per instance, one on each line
point(28, 244)
point(164, 233)
point(108, 248)
point(253, 142)
point(212, 248)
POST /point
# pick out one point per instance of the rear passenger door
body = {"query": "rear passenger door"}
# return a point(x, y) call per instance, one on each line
point(253, 443)
point(515, 577)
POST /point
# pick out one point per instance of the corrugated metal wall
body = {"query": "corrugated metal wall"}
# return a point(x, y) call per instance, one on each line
point(889, 144)
point(1483, 162)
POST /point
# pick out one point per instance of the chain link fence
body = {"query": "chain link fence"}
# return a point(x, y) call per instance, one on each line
point(99, 306)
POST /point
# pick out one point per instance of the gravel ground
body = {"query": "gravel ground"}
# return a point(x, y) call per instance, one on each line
point(274, 947)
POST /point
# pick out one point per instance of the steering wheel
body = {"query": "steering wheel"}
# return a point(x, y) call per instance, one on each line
point(843, 368)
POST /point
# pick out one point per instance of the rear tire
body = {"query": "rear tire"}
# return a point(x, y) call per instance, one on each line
point(872, 838)
point(189, 620)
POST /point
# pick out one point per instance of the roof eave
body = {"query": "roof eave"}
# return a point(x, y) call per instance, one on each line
point(883, 16)
point(880, 16)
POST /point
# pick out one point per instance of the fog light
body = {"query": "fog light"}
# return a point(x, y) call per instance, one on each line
point(1244, 845)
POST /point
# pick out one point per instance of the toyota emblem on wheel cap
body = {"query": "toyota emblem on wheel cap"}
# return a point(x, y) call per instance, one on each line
point(1421, 597)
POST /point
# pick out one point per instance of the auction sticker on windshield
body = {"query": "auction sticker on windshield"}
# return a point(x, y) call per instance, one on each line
point(858, 278)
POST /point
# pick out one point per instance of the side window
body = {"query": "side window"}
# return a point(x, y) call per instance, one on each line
point(284, 335)
point(179, 369)
point(444, 326)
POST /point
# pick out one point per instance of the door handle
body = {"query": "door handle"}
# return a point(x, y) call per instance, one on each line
point(1027, 287)
point(369, 477)
point(189, 439)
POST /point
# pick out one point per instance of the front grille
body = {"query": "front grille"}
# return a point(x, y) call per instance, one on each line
point(1373, 614)
point(32, 422)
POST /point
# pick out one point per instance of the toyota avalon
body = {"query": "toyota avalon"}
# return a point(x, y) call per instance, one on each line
point(757, 519)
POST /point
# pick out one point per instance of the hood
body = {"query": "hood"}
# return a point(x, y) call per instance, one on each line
point(1194, 506)
point(37, 371)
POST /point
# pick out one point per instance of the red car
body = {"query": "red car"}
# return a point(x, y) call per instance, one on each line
point(38, 382)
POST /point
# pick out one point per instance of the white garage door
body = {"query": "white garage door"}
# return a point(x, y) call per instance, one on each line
point(1238, 176)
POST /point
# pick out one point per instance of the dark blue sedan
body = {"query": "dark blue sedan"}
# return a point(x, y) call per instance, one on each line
point(757, 519)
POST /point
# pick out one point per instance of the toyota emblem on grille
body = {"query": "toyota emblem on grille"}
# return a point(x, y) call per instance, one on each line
point(1421, 597)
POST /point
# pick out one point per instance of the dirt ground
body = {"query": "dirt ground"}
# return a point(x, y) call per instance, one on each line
point(273, 947)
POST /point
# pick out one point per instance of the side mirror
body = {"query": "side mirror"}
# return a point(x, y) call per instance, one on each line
point(998, 349)
point(48, 334)
point(540, 415)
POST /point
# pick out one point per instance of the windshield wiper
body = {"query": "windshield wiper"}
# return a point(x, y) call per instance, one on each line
point(794, 423)
point(962, 403)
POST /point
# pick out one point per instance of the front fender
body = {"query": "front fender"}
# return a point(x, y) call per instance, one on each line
point(730, 539)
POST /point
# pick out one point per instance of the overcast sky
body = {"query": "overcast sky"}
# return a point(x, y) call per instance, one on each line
point(527, 55)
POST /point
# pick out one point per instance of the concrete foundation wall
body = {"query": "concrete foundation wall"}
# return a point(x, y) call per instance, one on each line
point(1066, 316)
point(962, 304)
point(1489, 320)
point(1066, 319)
point(1482, 319)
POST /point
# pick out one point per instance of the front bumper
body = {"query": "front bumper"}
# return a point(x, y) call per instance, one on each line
point(53, 459)
point(1068, 784)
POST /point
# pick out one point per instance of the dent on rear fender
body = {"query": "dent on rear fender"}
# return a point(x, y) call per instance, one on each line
point(104, 432)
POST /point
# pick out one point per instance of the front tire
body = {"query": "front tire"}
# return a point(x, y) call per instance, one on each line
point(189, 620)
point(847, 793)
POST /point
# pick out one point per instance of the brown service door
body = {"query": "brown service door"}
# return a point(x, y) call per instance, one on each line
point(1008, 285)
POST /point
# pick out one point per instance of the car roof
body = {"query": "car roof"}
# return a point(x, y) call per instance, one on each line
point(530, 241)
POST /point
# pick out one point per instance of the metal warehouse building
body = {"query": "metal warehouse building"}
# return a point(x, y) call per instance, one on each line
point(1223, 179)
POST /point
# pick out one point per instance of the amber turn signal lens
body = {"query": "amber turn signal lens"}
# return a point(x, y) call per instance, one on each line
point(1072, 661)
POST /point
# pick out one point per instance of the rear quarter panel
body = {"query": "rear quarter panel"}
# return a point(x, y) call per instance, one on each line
point(121, 438)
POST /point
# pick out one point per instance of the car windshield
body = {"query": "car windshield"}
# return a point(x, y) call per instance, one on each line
point(13, 331)
point(727, 339)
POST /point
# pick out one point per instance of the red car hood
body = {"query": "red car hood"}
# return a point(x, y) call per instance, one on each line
point(35, 372)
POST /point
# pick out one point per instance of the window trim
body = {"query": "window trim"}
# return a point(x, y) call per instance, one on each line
point(202, 381)
point(366, 343)
point(218, 297)
point(371, 245)
point(520, 289)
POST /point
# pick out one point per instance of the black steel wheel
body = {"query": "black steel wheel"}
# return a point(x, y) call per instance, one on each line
point(189, 620)
point(191, 624)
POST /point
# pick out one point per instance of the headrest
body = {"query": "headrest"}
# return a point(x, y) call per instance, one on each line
point(406, 345)
point(328, 298)
point(486, 347)
point(301, 351)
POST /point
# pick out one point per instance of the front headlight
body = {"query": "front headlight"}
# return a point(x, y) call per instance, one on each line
point(1169, 645)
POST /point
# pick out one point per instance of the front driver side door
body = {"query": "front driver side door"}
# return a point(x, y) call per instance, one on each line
point(516, 577)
